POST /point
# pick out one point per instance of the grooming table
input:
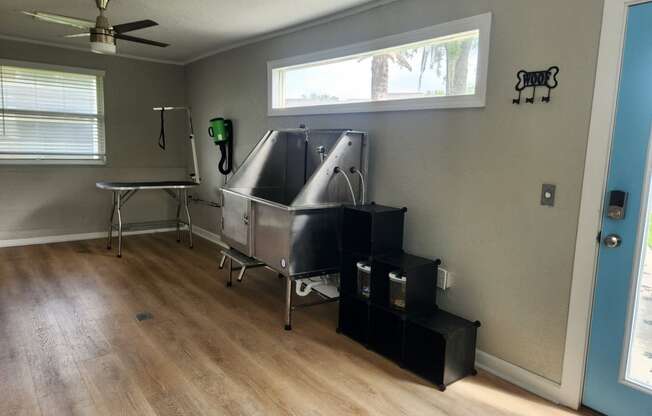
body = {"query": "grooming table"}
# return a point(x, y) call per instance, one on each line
point(123, 191)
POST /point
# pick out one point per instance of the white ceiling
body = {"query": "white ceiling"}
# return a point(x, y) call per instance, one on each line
point(192, 27)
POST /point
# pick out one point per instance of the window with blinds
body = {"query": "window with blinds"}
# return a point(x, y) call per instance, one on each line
point(51, 114)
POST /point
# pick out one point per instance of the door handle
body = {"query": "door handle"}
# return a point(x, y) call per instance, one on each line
point(612, 241)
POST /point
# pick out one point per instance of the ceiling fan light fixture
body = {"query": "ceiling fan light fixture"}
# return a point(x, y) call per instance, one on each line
point(102, 41)
point(103, 48)
point(101, 34)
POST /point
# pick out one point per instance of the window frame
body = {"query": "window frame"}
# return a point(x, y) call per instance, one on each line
point(100, 74)
point(481, 22)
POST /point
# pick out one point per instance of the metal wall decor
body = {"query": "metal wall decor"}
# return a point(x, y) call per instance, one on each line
point(535, 79)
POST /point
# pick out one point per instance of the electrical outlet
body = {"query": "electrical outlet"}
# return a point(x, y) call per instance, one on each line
point(444, 278)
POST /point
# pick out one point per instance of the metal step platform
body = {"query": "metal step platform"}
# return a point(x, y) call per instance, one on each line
point(244, 262)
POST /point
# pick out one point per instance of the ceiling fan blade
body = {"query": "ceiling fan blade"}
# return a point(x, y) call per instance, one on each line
point(140, 40)
point(78, 35)
point(128, 27)
point(62, 20)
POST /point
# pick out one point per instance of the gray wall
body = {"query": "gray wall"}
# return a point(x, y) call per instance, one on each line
point(41, 200)
point(470, 177)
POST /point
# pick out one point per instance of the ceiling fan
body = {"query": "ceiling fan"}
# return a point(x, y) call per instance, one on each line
point(102, 35)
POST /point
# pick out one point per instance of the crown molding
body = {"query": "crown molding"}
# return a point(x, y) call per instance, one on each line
point(81, 49)
point(292, 29)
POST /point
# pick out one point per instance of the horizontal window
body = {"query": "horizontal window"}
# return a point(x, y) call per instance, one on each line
point(443, 66)
point(50, 114)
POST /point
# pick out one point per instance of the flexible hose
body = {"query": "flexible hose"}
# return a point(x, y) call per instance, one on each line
point(338, 170)
point(309, 285)
point(354, 170)
point(305, 286)
point(225, 165)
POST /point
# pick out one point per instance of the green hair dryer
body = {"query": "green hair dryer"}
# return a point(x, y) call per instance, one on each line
point(221, 130)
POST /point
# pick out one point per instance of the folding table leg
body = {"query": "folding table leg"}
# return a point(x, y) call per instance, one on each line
point(119, 208)
point(110, 237)
point(178, 215)
point(185, 205)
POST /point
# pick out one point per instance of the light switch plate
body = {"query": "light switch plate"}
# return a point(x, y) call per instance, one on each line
point(548, 195)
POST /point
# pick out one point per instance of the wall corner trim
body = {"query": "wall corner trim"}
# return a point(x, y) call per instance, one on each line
point(520, 377)
point(208, 235)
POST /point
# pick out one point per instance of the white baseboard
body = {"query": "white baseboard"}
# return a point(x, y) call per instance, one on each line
point(518, 376)
point(61, 238)
point(15, 242)
point(208, 235)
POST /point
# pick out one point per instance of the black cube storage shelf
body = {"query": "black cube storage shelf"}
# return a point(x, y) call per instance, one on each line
point(372, 229)
point(421, 281)
point(440, 347)
point(386, 332)
point(432, 343)
point(353, 319)
point(367, 231)
point(349, 273)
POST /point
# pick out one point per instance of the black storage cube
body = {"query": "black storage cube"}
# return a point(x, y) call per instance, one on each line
point(380, 283)
point(386, 328)
point(372, 229)
point(421, 284)
point(349, 273)
point(354, 318)
point(440, 347)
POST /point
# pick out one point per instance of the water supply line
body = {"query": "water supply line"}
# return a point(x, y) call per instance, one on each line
point(321, 151)
point(364, 187)
point(348, 181)
point(205, 202)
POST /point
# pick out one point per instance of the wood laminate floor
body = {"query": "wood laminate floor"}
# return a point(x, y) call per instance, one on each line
point(70, 343)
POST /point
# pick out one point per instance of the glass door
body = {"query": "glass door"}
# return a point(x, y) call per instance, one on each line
point(618, 378)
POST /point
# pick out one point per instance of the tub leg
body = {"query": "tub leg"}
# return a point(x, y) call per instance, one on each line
point(288, 303)
point(229, 282)
point(187, 209)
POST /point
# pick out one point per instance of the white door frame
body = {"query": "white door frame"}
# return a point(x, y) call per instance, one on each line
point(596, 165)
